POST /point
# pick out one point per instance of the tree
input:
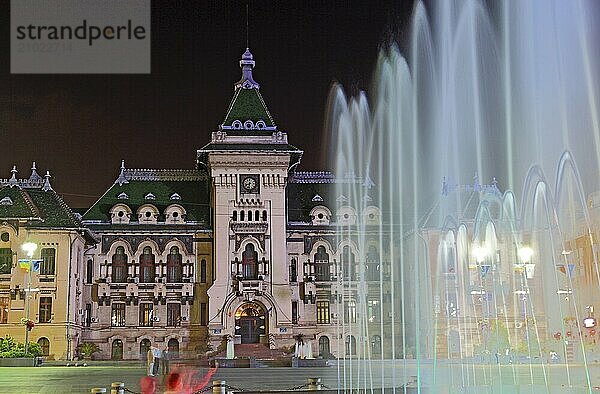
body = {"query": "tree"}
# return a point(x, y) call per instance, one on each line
point(9, 348)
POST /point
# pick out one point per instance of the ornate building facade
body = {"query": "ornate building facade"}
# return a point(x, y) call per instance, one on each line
point(243, 245)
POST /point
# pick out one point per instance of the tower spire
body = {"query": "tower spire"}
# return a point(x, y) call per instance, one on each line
point(247, 45)
point(247, 64)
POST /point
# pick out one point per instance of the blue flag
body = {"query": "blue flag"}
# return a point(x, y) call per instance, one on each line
point(35, 267)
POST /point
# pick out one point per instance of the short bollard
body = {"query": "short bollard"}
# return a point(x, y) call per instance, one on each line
point(117, 388)
point(98, 390)
point(314, 384)
point(219, 387)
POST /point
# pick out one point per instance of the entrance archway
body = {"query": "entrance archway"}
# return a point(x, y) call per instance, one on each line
point(144, 347)
point(116, 352)
point(251, 322)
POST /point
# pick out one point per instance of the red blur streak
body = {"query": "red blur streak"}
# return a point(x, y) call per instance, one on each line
point(204, 382)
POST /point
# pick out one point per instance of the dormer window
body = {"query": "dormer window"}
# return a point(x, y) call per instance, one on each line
point(6, 201)
point(320, 215)
point(149, 196)
point(248, 125)
point(123, 196)
point(175, 196)
point(147, 214)
point(120, 214)
point(237, 125)
point(317, 198)
point(175, 213)
point(372, 215)
point(261, 125)
point(346, 215)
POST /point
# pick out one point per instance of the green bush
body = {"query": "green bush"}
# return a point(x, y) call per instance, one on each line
point(9, 348)
point(88, 348)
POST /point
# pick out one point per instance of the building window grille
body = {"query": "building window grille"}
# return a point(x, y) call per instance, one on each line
point(89, 271)
point(324, 350)
point(294, 312)
point(376, 345)
point(5, 260)
point(119, 265)
point(322, 312)
point(293, 271)
point(44, 346)
point(350, 345)
point(203, 271)
point(173, 315)
point(373, 310)
point(146, 314)
point(45, 314)
point(373, 265)
point(117, 317)
point(348, 263)
point(350, 311)
point(48, 261)
point(203, 314)
point(4, 308)
point(147, 266)
point(174, 266)
point(250, 262)
point(322, 271)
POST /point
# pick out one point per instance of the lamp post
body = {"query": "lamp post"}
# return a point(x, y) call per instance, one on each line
point(29, 248)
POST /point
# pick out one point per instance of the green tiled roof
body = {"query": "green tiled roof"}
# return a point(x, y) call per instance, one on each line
point(248, 104)
point(194, 198)
point(45, 208)
point(300, 199)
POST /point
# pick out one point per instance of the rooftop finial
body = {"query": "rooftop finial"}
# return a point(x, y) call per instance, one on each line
point(47, 185)
point(122, 179)
point(247, 64)
point(247, 46)
point(34, 177)
point(13, 178)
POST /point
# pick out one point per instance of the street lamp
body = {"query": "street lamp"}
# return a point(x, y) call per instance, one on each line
point(29, 248)
point(525, 253)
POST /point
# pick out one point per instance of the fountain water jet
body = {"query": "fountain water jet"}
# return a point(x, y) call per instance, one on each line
point(505, 91)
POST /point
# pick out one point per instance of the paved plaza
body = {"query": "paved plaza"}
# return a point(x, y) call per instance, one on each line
point(435, 378)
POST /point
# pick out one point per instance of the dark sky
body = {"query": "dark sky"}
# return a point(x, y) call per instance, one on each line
point(81, 126)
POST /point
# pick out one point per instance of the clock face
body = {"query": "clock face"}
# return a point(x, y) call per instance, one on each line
point(249, 184)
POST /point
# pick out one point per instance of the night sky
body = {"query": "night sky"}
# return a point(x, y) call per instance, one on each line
point(81, 126)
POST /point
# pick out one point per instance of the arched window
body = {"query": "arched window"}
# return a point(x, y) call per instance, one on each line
point(376, 345)
point(44, 345)
point(147, 266)
point(203, 271)
point(249, 215)
point(264, 216)
point(173, 348)
point(350, 345)
point(324, 347)
point(322, 271)
point(119, 265)
point(250, 262)
point(373, 266)
point(5, 260)
point(174, 266)
point(116, 351)
point(257, 215)
point(293, 271)
point(348, 263)
point(234, 216)
point(89, 271)
point(144, 347)
point(242, 216)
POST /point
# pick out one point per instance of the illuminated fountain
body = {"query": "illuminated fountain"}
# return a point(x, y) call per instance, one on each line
point(487, 280)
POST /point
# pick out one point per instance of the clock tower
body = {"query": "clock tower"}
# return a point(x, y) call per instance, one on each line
point(249, 160)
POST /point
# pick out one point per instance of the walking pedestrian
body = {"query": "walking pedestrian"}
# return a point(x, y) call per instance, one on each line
point(157, 359)
point(150, 361)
